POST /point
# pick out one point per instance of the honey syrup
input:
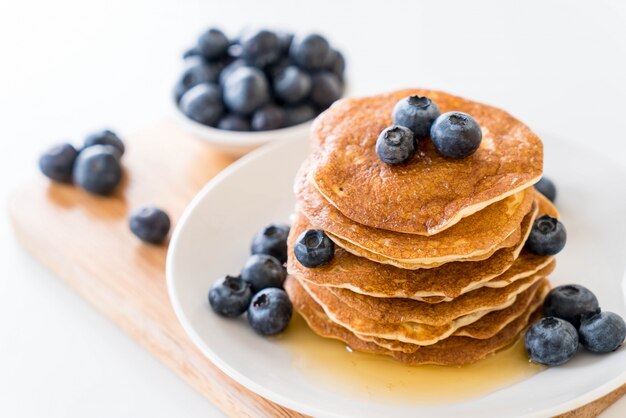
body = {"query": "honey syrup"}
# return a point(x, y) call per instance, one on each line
point(334, 366)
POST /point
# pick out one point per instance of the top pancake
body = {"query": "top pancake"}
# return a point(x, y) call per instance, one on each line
point(476, 235)
point(429, 193)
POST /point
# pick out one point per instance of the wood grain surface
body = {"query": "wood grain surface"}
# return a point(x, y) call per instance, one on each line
point(85, 240)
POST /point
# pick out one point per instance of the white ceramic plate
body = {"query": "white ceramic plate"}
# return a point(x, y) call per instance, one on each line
point(213, 237)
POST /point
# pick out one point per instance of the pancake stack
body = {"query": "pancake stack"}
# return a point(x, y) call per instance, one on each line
point(429, 264)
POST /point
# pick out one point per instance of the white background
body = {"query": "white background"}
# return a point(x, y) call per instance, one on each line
point(68, 67)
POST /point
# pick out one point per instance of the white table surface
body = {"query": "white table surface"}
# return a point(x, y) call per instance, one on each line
point(69, 66)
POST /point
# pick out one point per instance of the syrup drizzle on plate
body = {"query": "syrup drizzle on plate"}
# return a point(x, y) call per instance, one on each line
point(334, 366)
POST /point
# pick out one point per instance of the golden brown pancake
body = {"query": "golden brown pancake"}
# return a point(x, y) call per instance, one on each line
point(488, 326)
point(476, 235)
point(508, 242)
point(397, 310)
point(415, 327)
point(429, 193)
point(453, 351)
point(444, 283)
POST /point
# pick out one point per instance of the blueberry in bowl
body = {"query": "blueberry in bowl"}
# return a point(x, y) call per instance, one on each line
point(264, 85)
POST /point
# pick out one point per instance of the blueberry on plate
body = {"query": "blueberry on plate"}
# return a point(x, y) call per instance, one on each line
point(105, 137)
point(313, 248)
point(299, 114)
point(213, 44)
point(234, 122)
point(97, 169)
point(395, 145)
point(271, 240)
point(327, 88)
point(230, 296)
point(267, 118)
point(547, 237)
point(245, 90)
point(57, 163)
point(546, 187)
point(203, 103)
point(570, 302)
point(310, 52)
point(270, 311)
point(260, 48)
point(551, 341)
point(292, 85)
point(456, 135)
point(263, 271)
point(416, 113)
point(602, 332)
point(150, 224)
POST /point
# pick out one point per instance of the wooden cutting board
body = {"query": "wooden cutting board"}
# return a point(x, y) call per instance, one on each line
point(86, 241)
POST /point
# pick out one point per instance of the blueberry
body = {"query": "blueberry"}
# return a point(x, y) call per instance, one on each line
point(547, 237)
point(192, 52)
point(456, 135)
point(197, 71)
point(570, 302)
point(105, 137)
point(336, 63)
point(299, 114)
point(267, 118)
point(310, 52)
point(602, 332)
point(97, 169)
point(57, 163)
point(203, 103)
point(416, 113)
point(313, 248)
point(230, 296)
point(327, 88)
point(395, 145)
point(245, 90)
point(262, 271)
point(546, 187)
point(212, 44)
point(277, 68)
point(292, 85)
point(271, 240)
point(234, 122)
point(285, 39)
point(270, 311)
point(179, 90)
point(260, 48)
point(551, 341)
point(150, 224)
point(228, 70)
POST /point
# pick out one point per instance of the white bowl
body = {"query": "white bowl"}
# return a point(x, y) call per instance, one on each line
point(237, 143)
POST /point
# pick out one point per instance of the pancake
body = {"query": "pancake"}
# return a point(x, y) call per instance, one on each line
point(420, 325)
point(429, 193)
point(453, 351)
point(488, 326)
point(444, 283)
point(509, 241)
point(396, 310)
point(475, 235)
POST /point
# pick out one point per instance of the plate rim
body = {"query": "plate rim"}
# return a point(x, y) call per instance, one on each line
point(250, 384)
